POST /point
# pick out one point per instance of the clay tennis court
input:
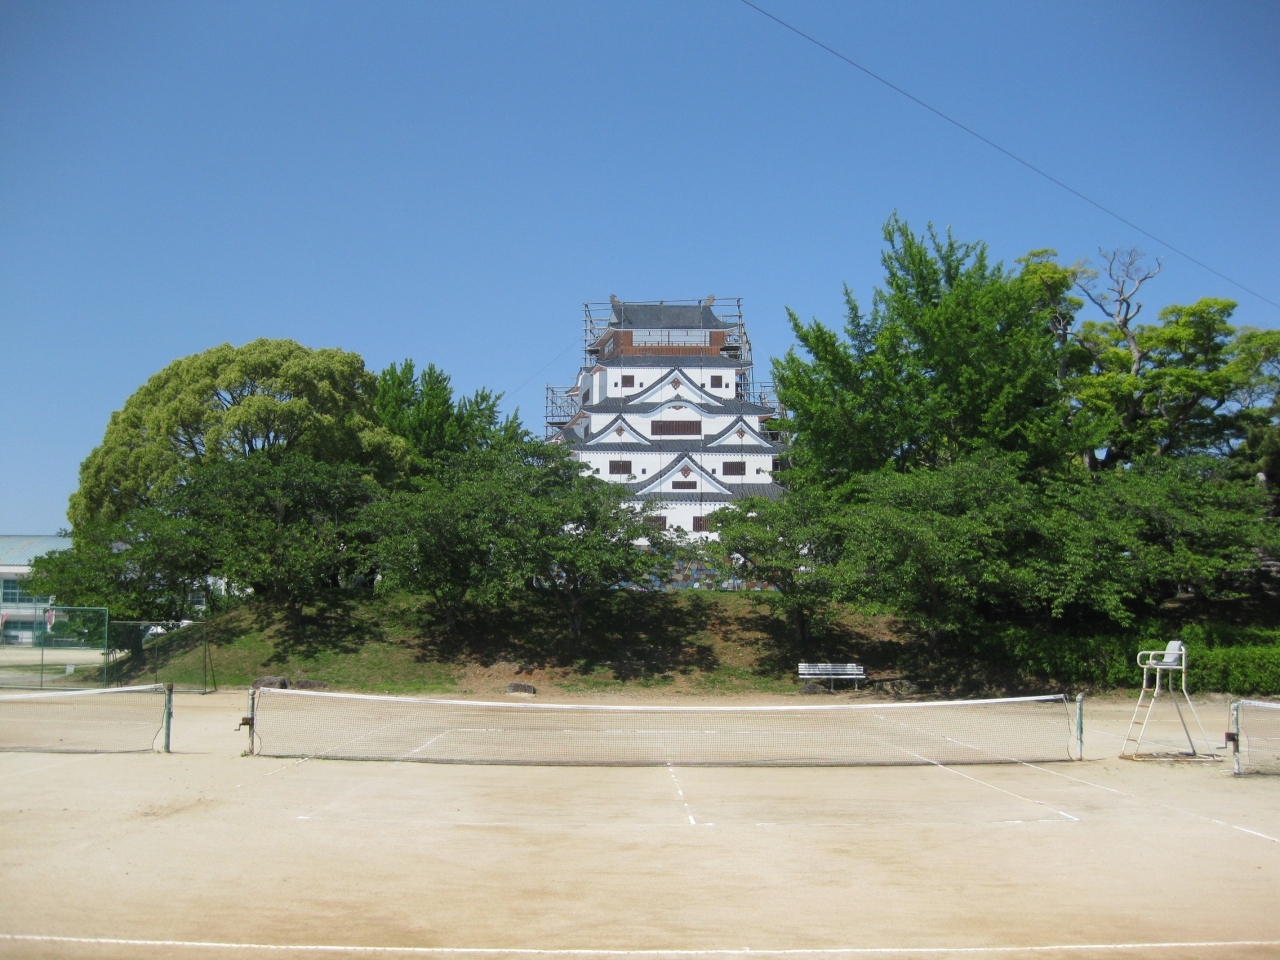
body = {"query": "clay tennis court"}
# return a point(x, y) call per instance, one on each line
point(208, 853)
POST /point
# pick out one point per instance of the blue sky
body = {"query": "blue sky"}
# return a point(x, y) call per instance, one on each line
point(449, 182)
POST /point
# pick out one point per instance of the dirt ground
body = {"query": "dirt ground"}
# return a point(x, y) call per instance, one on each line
point(207, 853)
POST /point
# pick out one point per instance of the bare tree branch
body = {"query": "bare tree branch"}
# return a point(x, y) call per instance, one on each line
point(1126, 274)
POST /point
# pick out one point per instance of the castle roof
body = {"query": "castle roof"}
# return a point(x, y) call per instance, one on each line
point(642, 360)
point(719, 409)
point(769, 490)
point(665, 316)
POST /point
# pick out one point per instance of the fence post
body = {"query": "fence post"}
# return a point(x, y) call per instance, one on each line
point(168, 714)
point(1079, 726)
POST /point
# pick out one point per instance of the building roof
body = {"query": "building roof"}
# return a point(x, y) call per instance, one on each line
point(675, 445)
point(647, 360)
point(19, 551)
point(721, 408)
point(665, 316)
point(769, 490)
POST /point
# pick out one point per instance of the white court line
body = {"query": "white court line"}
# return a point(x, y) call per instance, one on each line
point(711, 952)
point(19, 773)
point(1066, 816)
point(1158, 803)
point(680, 790)
point(634, 825)
point(428, 743)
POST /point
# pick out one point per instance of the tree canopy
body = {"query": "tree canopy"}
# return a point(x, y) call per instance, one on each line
point(268, 396)
point(986, 452)
point(420, 407)
point(954, 356)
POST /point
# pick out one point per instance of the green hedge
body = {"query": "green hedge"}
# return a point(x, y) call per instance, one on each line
point(1242, 670)
point(1223, 658)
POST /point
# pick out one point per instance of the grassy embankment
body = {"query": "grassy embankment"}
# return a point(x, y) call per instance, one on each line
point(690, 642)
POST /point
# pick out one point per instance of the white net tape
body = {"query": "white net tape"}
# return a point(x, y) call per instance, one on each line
point(291, 723)
point(1259, 737)
point(111, 720)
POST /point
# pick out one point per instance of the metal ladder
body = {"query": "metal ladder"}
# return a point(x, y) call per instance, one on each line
point(1168, 666)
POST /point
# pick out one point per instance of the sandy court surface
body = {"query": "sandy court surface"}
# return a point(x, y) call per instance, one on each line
point(224, 855)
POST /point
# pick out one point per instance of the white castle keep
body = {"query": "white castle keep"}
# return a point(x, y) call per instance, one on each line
point(665, 404)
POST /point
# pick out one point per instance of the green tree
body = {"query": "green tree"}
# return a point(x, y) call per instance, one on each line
point(451, 535)
point(268, 396)
point(975, 543)
point(283, 526)
point(1190, 384)
point(1261, 450)
point(956, 355)
point(1190, 529)
point(793, 544)
point(421, 408)
point(579, 538)
point(149, 567)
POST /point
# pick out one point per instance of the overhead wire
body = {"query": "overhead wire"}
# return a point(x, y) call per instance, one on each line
point(1008, 153)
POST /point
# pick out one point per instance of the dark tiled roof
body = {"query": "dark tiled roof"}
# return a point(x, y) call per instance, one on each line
point(769, 490)
point(645, 360)
point(722, 408)
point(671, 445)
point(665, 316)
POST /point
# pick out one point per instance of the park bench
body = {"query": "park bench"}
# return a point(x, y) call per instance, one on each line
point(833, 672)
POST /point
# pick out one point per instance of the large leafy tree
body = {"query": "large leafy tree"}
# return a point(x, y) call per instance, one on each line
point(975, 542)
point(284, 526)
point(453, 535)
point(1191, 383)
point(421, 408)
point(150, 566)
point(578, 537)
point(268, 396)
point(955, 355)
point(995, 460)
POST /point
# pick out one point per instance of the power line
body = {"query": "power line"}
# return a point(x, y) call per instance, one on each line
point(1012, 156)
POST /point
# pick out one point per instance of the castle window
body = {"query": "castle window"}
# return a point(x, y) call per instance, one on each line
point(676, 428)
point(659, 522)
point(735, 468)
point(684, 484)
point(628, 381)
point(699, 524)
point(622, 467)
point(717, 382)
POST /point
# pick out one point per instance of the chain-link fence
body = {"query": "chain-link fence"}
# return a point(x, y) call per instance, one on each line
point(45, 646)
point(162, 651)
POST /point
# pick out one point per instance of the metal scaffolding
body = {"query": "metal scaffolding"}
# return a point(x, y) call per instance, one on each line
point(597, 318)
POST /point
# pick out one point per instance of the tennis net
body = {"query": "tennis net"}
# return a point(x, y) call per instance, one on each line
point(108, 720)
point(1256, 725)
point(293, 723)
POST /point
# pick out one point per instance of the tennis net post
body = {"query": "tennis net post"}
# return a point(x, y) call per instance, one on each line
point(168, 714)
point(1255, 736)
point(1079, 726)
